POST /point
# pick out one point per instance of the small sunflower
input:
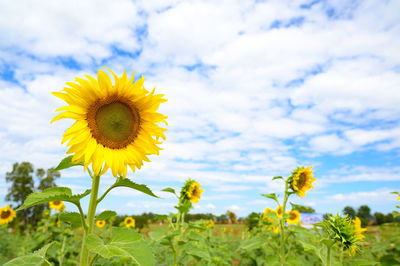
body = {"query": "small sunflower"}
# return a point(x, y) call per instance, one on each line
point(294, 217)
point(100, 224)
point(115, 125)
point(265, 216)
point(275, 229)
point(194, 192)
point(57, 205)
point(358, 229)
point(46, 213)
point(129, 222)
point(279, 211)
point(302, 179)
point(7, 215)
point(210, 223)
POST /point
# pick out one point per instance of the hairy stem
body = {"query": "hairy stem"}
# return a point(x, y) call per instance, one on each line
point(90, 219)
point(282, 223)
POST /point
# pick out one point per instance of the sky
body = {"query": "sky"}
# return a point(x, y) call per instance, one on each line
point(254, 89)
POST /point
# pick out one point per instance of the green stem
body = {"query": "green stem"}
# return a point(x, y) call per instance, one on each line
point(328, 256)
point(282, 224)
point(90, 219)
point(60, 259)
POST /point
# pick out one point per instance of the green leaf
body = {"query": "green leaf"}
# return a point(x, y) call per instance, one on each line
point(271, 196)
point(360, 262)
point(35, 259)
point(328, 242)
point(27, 260)
point(196, 236)
point(198, 254)
point(67, 163)
point(308, 247)
point(277, 177)
point(73, 218)
point(42, 252)
point(170, 190)
point(124, 242)
point(253, 243)
point(157, 235)
point(52, 194)
point(105, 215)
point(128, 183)
point(395, 214)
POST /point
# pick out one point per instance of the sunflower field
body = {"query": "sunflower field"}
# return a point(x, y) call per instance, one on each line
point(116, 126)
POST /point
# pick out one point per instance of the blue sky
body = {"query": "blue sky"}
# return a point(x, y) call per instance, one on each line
point(255, 88)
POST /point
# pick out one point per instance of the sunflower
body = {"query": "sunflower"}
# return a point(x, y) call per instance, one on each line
point(358, 229)
point(265, 216)
point(275, 229)
point(194, 192)
point(302, 180)
point(279, 211)
point(100, 224)
point(294, 217)
point(115, 125)
point(57, 205)
point(7, 215)
point(129, 222)
point(211, 223)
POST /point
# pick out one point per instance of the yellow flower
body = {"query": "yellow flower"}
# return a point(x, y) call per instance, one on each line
point(194, 192)
point(294, 217)
point(302, 180)
point(279, 211)
point(358, 229)
point(116, 125)
point(129, 222)
point(275, 229)
point(211, 223)
point(57, 205)
point(46, 213)
point(100, 224)
point(7, 215)
point(266, 217)
point(398, 198)
point(224, 229)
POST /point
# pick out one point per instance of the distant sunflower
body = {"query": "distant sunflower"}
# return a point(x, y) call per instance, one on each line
point(211, 223)
point(275, 229)
point(265, 216)
point(7, 215)
point(57, 205)
point(279, 211)
point(358, 229)
point(302, 180)
point(129, 222)
point(294, 217)
point(100, 224)
point(116, 125)
point(194, 192)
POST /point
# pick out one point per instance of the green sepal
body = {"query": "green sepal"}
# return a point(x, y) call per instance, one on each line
point(170, 190)
point(72, 218)
point(52, 194)
point(105, 215)
point(67, 163)
point(124, 243)
point(277, 177)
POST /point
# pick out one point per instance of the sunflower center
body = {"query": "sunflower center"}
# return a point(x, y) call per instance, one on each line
point(57, 202)
point(302, 180)
point(114, 122)
point(293, 216)
point(5, 214)
point(128, 221)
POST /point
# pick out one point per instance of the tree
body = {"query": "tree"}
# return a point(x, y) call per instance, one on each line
point(22, 184)
point(349, 211)
point(302, 208)
point(379, 218)
point(364, 213)
point(232, 216)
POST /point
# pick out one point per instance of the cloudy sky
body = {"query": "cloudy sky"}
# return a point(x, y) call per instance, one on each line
point(254, 89)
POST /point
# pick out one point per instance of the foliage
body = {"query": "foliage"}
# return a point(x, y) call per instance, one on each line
point(302, 208)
